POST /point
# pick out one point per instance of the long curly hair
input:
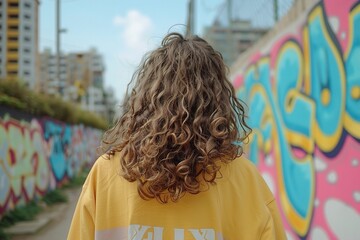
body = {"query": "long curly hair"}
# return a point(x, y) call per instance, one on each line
point(181, 117)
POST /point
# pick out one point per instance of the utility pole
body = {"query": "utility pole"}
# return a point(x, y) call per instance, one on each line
point(276, 10)
point(231, 45)
point(57, 33)
point(190, 25)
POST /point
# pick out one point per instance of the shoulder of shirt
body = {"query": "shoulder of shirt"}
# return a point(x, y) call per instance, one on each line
point(105, 168)
point(106, 161)
point(243, 168)
point(244, 165)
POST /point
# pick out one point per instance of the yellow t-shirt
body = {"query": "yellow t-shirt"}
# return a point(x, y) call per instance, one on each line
point(238, 207)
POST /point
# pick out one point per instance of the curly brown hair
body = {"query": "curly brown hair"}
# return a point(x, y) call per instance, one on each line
point(181, 117)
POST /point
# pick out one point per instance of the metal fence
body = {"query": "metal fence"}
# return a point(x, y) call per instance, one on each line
point(261, 13)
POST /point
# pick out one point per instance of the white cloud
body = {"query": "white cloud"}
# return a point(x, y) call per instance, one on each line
point(136, 30)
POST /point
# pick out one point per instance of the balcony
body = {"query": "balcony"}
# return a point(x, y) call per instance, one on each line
point(13, 44)
point(13, 21)
point(13, 32)
point(12, 74)
point(11, 67)
point(13, 55)
point(13, 10)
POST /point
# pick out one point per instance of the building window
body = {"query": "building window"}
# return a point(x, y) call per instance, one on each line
point(12, 49)
point(26, 16)
point(27, 50)
point(26, 73)
point(26, 27)
point(12, 61)
point(14, 4)
point(13, 16)
point(27, 5)
point(13, 38)
point(27, 39)
point(26, 61)
point(12, 72)
point(14, 27)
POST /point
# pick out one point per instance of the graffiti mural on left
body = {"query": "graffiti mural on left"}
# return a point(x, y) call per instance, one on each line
point(38, 155)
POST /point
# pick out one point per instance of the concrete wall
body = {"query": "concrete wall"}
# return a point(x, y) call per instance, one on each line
point(302, 86)
point(40, 154)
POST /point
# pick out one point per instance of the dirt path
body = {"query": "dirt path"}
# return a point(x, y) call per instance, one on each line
point(58, 228)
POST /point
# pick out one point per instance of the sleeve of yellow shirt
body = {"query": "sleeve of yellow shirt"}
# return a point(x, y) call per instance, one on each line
point(83, 223)
point(274, 228)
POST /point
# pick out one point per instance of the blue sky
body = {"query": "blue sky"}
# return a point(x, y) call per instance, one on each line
point(121, 30)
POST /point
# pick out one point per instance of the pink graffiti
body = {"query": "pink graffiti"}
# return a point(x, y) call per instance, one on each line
point(336, 200)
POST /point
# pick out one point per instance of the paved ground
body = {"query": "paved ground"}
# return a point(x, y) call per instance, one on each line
point(58, 228)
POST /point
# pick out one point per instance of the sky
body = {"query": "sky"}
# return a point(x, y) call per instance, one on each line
point(121, 30)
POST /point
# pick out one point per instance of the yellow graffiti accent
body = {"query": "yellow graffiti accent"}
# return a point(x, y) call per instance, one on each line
point(325, 142)
point(325, 96)
point(351, 125)
point(307, 59)
point(355, 92)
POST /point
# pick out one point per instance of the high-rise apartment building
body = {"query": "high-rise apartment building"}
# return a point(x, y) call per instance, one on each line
point(233, 39)
point(81, 80)
point(48, 77)
point(78, 71)
point(19, 40)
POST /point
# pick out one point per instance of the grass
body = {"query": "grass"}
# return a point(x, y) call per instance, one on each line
point(54, 197)
point(77, 181)
point(3, 235)
point(29, 211)
point(14, 93)
point(23, 213)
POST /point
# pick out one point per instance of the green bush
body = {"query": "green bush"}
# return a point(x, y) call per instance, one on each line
point(3, 235)
point(29, 211)
point(15, 94)
point(55, 196)
point(77, 181)
point(23, 213)
point(11, 101)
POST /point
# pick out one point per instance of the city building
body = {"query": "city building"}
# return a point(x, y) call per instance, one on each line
point(232, 39)
point(50, 84)
point(19, 41)
point(100, 101)
point(81, 80)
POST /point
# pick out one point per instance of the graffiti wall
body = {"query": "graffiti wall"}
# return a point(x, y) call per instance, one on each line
point(40, 154)
point(303, 95)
